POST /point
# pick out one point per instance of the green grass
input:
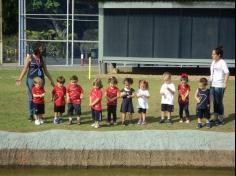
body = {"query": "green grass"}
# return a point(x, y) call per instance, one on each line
point(13, 105)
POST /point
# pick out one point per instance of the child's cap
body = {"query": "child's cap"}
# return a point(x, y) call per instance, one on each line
point(184, 76)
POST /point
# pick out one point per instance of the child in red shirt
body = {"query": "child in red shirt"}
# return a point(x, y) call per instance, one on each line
point(74, 94)
point(183, 98)
point(38, 94)
point(58, 96)
point(112, 94)
point(96, 102)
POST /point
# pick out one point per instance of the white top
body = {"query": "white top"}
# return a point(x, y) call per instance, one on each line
point(167, 96)
point(143, 101)
point(218, 71)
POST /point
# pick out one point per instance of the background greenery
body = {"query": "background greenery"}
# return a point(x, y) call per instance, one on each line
point(13, 104)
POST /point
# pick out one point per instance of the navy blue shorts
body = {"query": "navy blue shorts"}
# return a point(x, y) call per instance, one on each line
point(141, 110)
point(167, 108)
point(60, 109)
point(39, 109)
point(96, 115)
point(203, 113)
point(74, 109)
point(127, 106)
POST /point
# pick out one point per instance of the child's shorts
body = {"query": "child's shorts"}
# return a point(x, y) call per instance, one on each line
point(96, 115)
point(74, 109)
point(60, 109)
point(39, 109)
point(141, 110)
point(203, 113)
point(127, 106)
point(167, 108)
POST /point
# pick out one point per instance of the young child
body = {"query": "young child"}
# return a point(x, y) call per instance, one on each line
point(167, 102)
point(143, 96)
point(112, 94)
point(202, 97)
point(183, 98)
point(127, 105)
point(96, 102)
point(38, 93)
point(74, 94)
point(58, 96)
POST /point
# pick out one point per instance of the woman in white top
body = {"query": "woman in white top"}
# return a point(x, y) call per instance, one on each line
point(219, 78)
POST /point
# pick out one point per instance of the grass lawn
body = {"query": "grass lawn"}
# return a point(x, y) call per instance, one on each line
point(13, 105)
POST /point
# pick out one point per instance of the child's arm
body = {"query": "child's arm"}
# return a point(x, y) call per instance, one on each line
point(53, 94)
point(67, 98)
point(38, 95)
point(197, 97)
point(95, 102)
point(171, 91)
point(81, 96)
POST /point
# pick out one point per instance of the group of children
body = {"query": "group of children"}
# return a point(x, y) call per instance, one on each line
point(73, 94)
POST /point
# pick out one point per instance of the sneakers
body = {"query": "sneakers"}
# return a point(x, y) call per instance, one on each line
point(70, 121)
point(169, 121)
point(187, 121)
point(143, 123)
point(139, 122)
point(181, 121)
point(221, 122)
point(37, 122)
point(56, 121)
point(162, 121)
point(93, 125)
point(199, 125)
point(208, 125)
point(97, 126)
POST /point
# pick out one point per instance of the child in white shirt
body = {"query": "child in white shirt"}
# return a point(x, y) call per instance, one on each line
point(143, 96)
point(167, 101)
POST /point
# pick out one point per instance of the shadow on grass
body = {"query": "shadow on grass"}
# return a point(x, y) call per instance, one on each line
point(230, 118)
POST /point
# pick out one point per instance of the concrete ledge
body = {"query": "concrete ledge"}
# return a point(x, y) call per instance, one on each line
point(118, 148)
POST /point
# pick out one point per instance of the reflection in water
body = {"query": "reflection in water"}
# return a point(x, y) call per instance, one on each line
point(113, 172)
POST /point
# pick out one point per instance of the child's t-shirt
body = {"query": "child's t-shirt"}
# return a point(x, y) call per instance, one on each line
point(38, 91)
point(59, 95)
point(112, 93)
point(143, 101)
point(204, 96)
point(168, 97)
point(127, 94)
point(183, 89)
point(94, 95)
point(74, 91)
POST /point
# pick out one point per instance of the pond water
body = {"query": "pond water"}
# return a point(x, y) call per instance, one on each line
point(114, 172)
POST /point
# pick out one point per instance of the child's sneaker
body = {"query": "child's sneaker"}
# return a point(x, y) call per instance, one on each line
point(37, 122)
point(187, 121)
point(199, 125)
point(60, 120)
point(217, 122)
point(97, 126)
point(208, 125)
point(169, 121)
point(181, 121)
point(115, 123)
point(70, 122)
point(139, 122)
point(56, 121)
point(112, 122)
point(221, 122)
point(41, 121)
point(93, 125)
point(143, 123)
point(162, 121)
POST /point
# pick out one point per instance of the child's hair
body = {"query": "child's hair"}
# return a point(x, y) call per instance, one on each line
point(203, 81)
point(61, 79)
point(167, 74)
point(113, 80)
point(219, 51)
point(184, 77)
point(74, 78)
point(145, 82)
point(128, 80)
point(37, 80)
point(98, 83)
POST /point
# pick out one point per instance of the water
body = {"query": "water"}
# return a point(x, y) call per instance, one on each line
point(113, 172)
